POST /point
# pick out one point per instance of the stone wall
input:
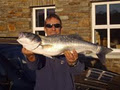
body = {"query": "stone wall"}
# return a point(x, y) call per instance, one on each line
point(15, 17)
point(75, 15)
point(41, 2)
point(113, 65)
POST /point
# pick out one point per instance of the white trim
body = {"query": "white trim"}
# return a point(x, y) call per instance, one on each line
point(93, 22)
point(108, 15)
point(108, 35)
point(34, 28)
point(110, 2)
point(108, 26)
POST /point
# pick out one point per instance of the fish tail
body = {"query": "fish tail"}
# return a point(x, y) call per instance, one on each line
point(101, 55)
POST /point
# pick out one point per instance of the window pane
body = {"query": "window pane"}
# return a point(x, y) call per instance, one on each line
point(40, 18)
point(40, 33)
point(101, 14)
point(50, 11)
point(101, 36)
point(115, 14)
point(115, 38)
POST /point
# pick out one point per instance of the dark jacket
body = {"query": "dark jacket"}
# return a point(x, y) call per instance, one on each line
point(55, 73)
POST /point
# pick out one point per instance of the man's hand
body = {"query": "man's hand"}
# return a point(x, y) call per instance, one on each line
point(71, 57)
point(30, 55)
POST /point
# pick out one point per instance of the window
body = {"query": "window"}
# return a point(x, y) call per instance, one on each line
point(39, 15)
point(106, 24)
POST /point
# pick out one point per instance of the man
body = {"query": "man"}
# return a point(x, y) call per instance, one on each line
point(55, 73)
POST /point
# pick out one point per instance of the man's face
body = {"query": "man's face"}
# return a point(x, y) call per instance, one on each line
point(52, 27)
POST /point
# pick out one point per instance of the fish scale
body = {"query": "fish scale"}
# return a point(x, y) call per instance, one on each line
point(56, 45)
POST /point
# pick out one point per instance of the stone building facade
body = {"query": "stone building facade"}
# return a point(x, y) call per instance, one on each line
point(16, 16)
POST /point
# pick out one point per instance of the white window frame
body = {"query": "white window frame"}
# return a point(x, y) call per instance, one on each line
point(108, 26)
point(34, 17)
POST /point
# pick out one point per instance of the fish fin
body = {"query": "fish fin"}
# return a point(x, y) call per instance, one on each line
point(101, 55)
point(75, 36)
point(43, 37)
point(47, 46)
point(87, 52)
point(101, 58)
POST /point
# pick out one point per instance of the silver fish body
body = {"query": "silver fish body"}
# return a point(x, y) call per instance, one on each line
point(56, 44)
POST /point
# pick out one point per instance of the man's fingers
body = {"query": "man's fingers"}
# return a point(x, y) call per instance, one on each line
point(75, 54)
point(68, 54)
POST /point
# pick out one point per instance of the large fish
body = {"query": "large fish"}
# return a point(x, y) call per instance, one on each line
point(56, 44)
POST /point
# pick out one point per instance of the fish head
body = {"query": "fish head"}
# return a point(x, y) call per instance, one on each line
point(29, 40)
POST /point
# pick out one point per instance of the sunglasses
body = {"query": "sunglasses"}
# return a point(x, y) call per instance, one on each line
point(51, 25)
